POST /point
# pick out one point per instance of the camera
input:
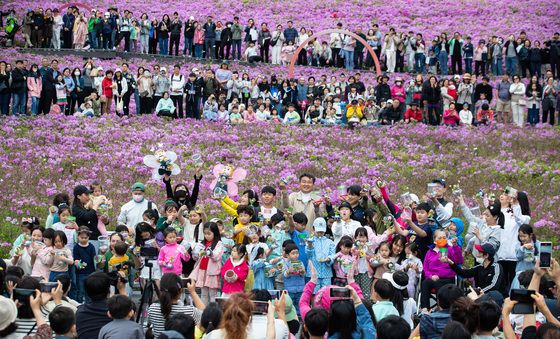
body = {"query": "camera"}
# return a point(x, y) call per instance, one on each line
point(185, 281)
point(524, 301)
point(149, 252)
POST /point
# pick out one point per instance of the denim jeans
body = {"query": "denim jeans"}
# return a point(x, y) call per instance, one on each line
point(198, 50)
point(348, 59)
point(443, 59)
point(18, 103)
point(511, 65)
point(34, 105)
point(188, 46)
point(163, 46)
point(209, 48)
point(468, 65)
point(295, 296)
point(92, 40)
point(113, 39)
point(236, 47)
point(53, 275)
point(497, 66)
point(81, 294)
point(419, 62)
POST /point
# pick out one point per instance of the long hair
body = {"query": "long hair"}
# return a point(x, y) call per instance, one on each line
point(213, 227)
point(465, 311)
point(342, 319)
point(237, 315)
point(170, 289)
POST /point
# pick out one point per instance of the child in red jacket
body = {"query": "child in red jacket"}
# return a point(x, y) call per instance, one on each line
point(235, 271)
point(106, 92)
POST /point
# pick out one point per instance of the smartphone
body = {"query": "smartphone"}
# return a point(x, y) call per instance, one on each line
point(339, 292)
point(545, 254)
point(186, 281)
point(261, 307)
point(524, 301)
point(37, 277)
point(48, 286)
point(24, 292)
point(275, 294)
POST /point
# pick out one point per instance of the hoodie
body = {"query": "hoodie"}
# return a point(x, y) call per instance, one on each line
point(460, 226)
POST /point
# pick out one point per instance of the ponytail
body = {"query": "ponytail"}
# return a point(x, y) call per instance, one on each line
point(170, 289)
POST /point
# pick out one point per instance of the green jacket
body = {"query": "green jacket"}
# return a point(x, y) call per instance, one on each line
point(452, 43)
point(236, 31)
point(92, 22)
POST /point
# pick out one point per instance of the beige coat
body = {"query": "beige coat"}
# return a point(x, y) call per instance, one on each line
point(295, 201)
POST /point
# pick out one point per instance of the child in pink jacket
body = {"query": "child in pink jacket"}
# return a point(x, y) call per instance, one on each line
point(171, 254)
point(235, 271)
point(34, 87)
point(208, 255)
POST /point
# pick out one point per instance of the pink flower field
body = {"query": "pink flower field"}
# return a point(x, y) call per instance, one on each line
point(477, 18)
point(42, 156)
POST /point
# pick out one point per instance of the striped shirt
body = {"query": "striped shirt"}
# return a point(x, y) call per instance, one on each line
point(158, 321)
point(24, 327)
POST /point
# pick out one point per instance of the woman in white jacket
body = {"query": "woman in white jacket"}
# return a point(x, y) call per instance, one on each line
point(486, 229)
point(517, 91)
point(515, 215)
point(276, 42)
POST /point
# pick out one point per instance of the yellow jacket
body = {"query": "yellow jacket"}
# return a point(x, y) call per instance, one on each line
point(229, 206)
point(354, 111)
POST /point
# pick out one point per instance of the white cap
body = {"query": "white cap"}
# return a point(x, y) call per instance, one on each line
point(107, 14)
point(163, 69)
point(118, 70)
point(99, 68)
point(191, 18)
point(390, 101)
point(8, 312)
point(414, 198)
point(320, 225)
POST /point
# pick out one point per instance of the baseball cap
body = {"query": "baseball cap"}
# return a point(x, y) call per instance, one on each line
point(440, 181)
point(138, 186)
point(346, 205)
point(81, 189)
point(486, 248)
point(398, 280)
point(320, 225)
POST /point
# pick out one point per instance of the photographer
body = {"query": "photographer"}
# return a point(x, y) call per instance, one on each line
point(170, 303)
point(91, 317)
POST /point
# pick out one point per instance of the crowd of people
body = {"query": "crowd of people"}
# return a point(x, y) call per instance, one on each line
point(229, 96)
point(206, 38)
point(368, 266)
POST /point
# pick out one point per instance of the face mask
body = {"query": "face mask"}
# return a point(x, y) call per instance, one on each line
point(179, 195)
point(441, 243)
point(77, 73)
point(138, 198)
point(229, 26)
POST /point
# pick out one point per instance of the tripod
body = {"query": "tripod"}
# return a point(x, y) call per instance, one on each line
point(147, 293)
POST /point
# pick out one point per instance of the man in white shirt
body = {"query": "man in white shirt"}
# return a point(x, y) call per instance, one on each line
point(177, 83)
point(132, 211)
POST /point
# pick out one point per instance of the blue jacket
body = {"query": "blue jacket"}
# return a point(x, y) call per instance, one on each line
point(261, 280)
point(364, 325)
point(301, 245)
point(432, 325)
point(290, 34)
point(293, 283)
point(323, 248)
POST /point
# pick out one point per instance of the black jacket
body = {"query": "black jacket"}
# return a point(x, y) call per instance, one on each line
point(190, 200)
point(382, 93)
point(86, 217)
point(175, 27)
point(487, 278)
point(18, 80)
point(391, 114)
point(431, 94)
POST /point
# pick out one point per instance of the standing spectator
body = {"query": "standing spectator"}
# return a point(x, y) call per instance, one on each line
point(27, 26)
point(468, 52)
point(391, 42)
point(198, 40)
point(154, 33)
point(534, 96)
point(348, 46)
point(336, 40)
point(48, 29)
point(93, 20)
point(503, 103)
point(67, 27)
point(85, 211)
point(37, 28)
point(58, 23)
point(144, 33)
point(535, 58)
point(236, 31)
point(264, 42)
point(480, 58)
point(34, 86)
point(443, 55)
point(175, 30)
point(432, 95)
point(177, 84)
point(18, 86)
point(190, 25)
point(518, 103)
point(524, 58)
point(555, 55)
point(218, 42)
point(145, 92)
point(163, 35)
point(455, 51)
point(125, 29)
point(496, 52)
point(225, 47)
point(359, 50)
point(510, 49)
point(80, 32)
point(465, 91)
point(290, 33)
point(209, 37)
point(4, 89)
point(550, 93)
point(277, 40)
point(410, 48)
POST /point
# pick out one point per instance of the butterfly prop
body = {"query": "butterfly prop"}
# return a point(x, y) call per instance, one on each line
point(162, 162)
point(226, 179)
